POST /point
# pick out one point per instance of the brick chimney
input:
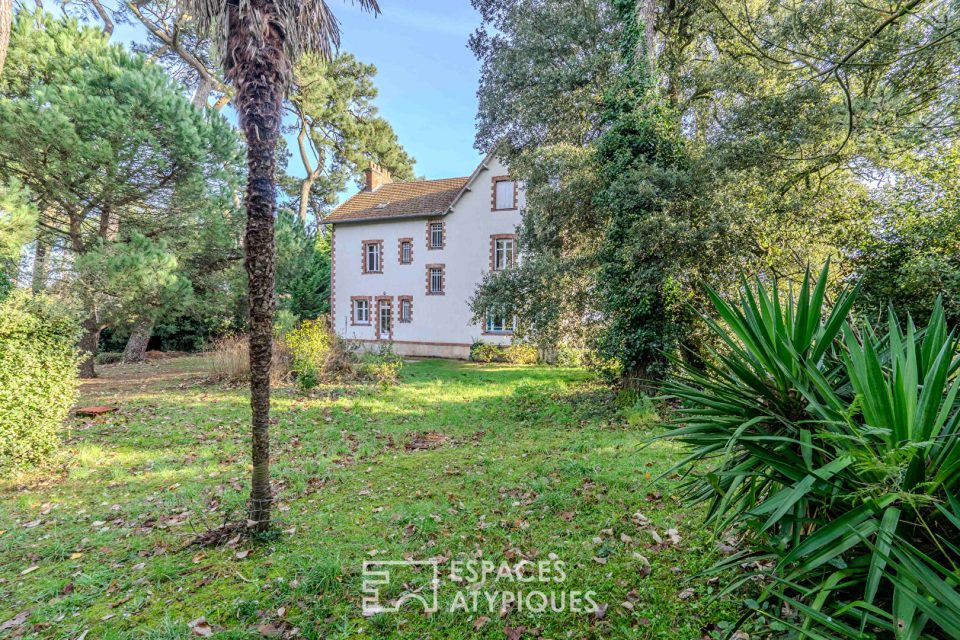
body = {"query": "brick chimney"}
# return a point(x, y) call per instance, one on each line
point(376, 177)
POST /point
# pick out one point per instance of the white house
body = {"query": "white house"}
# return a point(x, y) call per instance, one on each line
point(407, 257)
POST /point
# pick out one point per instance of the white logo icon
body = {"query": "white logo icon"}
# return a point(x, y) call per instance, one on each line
point(382, 574)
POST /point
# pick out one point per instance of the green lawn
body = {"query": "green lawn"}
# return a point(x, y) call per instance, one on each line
point(524, 462)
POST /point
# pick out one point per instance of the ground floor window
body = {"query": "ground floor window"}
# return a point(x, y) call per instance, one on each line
point(500, 323)
point(361, 311)
point(406, 310)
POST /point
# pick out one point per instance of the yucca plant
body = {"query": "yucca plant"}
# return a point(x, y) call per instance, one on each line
point(835, 450)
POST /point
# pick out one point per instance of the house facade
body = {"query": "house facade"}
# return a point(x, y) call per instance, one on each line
point(408, 256)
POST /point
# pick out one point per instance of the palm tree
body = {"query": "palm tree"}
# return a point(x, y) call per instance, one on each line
point(259, 42)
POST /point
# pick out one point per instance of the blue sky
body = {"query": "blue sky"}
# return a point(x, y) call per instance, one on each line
point(426, 76)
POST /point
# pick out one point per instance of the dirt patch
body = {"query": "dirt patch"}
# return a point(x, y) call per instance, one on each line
point(115, 380)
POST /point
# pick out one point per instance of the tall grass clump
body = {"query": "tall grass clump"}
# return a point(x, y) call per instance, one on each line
point(230, 360)
point(832, 448)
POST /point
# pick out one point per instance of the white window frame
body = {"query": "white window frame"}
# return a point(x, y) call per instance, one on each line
point(510, 196)
point(372, 250)
point(436, 277)
point(359, 305)
point(406, 252)
point(406, 305)
point(490, 325)
point(384, 307)
point(500, 258)
point(436, 235)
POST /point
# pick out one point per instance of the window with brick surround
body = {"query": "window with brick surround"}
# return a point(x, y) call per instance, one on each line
point(361, 311)
point(502, 252)
point(504, 196)
point(406, 251)
point(435, 279)
point(406, 309)
point(435, 235)
point(373, 256)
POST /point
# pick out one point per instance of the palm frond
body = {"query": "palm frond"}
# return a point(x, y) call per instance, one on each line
point(308, 26)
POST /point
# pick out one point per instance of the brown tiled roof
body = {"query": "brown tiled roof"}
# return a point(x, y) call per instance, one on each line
point(400, 200)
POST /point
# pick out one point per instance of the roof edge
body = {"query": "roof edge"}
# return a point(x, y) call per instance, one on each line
point(412, 216)
point(470, 181)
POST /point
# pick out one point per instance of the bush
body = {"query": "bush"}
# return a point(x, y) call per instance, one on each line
point(320, 355)
point(521, 354)
point(230, 360)
point(570, 357)
point(108, 357)
point(310, 345)
point(834, 449)
point(514, 353)
point(38, 378)
point(382, 365)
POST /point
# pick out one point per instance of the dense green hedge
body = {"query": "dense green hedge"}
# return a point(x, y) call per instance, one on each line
point(38, 378)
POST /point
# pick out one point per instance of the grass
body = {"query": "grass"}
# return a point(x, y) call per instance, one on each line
point(533, 463)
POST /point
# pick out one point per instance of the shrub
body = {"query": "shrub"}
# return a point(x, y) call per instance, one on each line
point(483, 352)
point(108, 357)
point(38, 378)
point(518, 353)
point(570, 357)
point(310, 345)
point(521, 354)
point(382, 365)
point(834, 449)
point(230, 360)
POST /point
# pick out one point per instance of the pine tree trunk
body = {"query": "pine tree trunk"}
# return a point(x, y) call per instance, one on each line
point(260, 70)
point(136, 349)
point(6, 16)
point(39, 264)
point(88, 343)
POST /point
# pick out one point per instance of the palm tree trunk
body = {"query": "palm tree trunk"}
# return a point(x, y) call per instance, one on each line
point(6, 17)
point(136, 349)
point(260, 70)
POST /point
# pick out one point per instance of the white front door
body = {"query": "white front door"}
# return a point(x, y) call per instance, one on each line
point(385, 318)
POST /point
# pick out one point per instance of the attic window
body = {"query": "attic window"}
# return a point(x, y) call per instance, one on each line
point(382, 205)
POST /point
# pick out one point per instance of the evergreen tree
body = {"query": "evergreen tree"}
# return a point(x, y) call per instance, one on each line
point(104, 141)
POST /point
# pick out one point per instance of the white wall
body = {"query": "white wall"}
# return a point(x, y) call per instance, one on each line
point(442, 321)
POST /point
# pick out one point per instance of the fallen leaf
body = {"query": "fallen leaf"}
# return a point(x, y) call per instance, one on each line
point(200, 627)
point(626, 604)
point(32, 524)
point(243, 553)
point(269, 630)
point(16, 620)
point(29, 570)
point(479, 622)
point(600, 612)
point(75, 555)
point(514, 633)
point(686, 594)
point(599, 560)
